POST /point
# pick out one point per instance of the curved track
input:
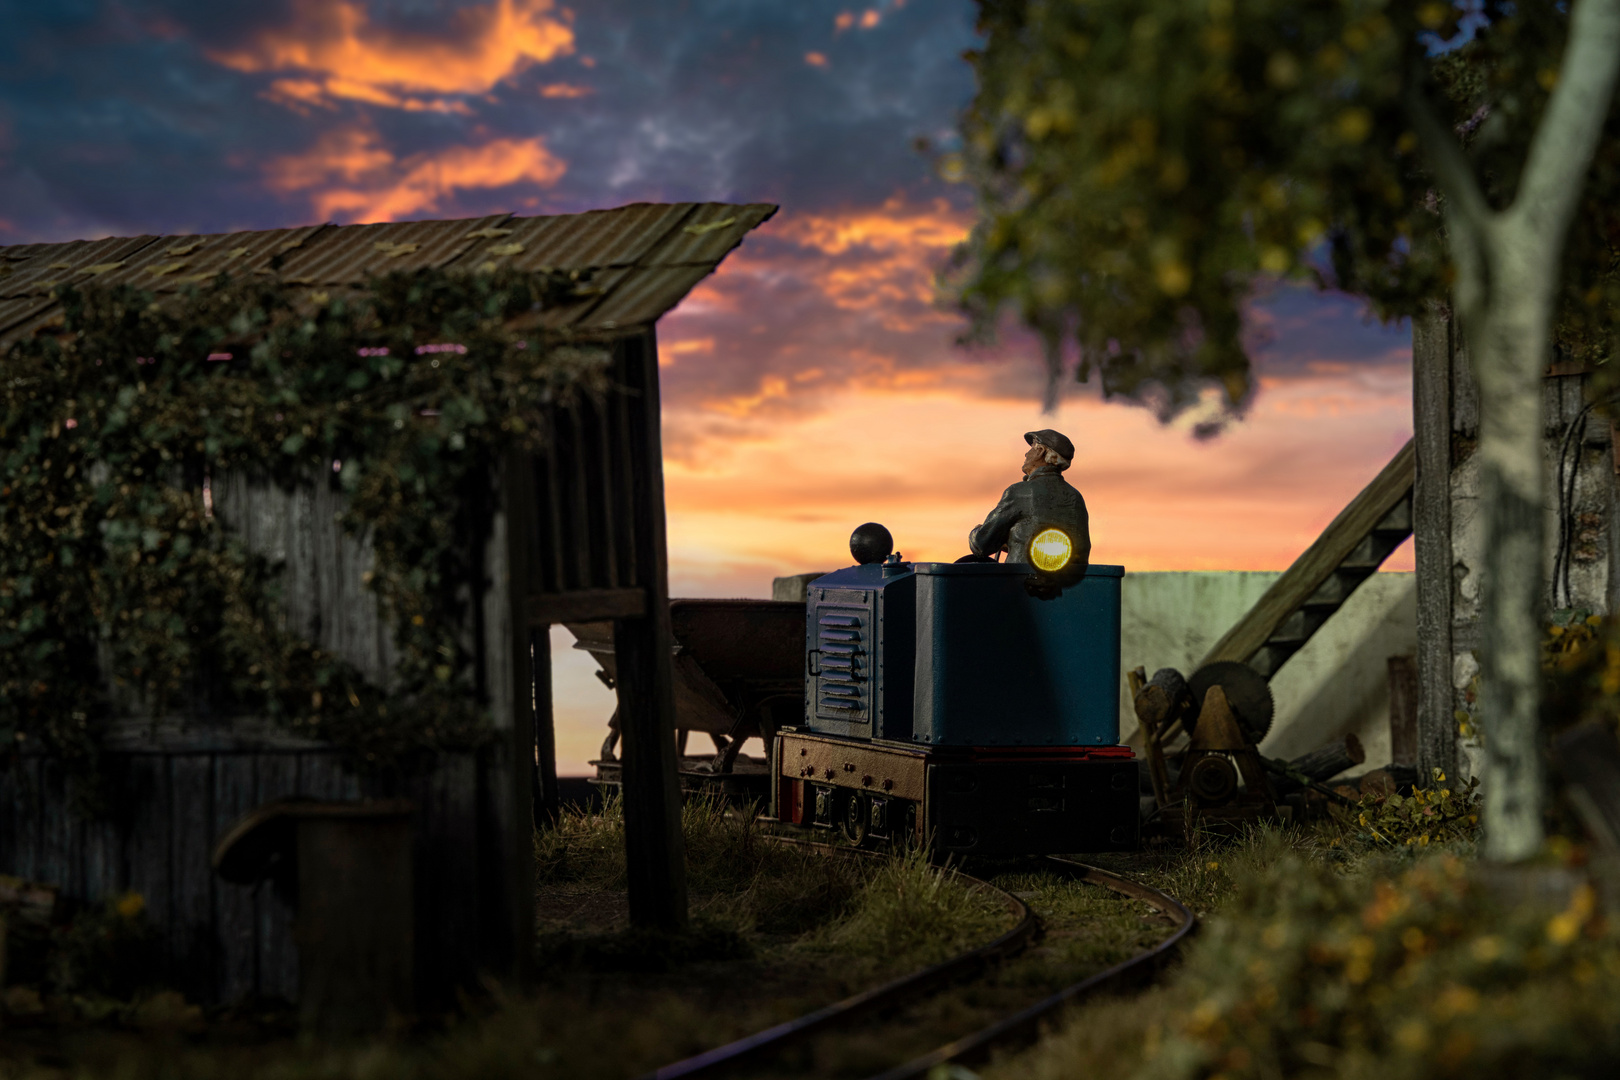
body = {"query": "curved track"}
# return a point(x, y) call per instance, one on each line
point(1024, 1026)
point(1019, 1027)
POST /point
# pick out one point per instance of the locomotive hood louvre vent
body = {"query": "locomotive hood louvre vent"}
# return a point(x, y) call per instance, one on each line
point(843, 640)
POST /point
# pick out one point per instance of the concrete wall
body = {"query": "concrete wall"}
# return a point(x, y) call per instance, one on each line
point(1338, 683)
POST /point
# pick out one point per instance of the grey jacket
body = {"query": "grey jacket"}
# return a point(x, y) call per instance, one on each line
point(1044, 500)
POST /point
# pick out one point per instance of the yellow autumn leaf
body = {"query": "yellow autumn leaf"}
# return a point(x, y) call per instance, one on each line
point(159, 269)
point(183, 249)
point(101, 268)
point(506, 249)
point(1173, 277)
point(235, 253)
point(393, 250)
point(489, 233)
point(1353, 125)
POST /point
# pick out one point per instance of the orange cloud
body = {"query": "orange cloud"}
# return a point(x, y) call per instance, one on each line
point(815, 59)
point(564, 90)
point(877, 259)
point(349, 175)
point(670, 351)
point(334, 52)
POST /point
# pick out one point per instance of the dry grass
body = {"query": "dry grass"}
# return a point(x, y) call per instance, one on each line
point(1357, 965)
point(778, 930)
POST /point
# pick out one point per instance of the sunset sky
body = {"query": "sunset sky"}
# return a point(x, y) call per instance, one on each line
point(813, 383)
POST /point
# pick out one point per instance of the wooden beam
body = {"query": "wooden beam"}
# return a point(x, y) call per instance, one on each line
point(547, 803)
point(586, 605)
point(518, 490)
point(655, 860)
point(1312, 569)
point(1432, 347)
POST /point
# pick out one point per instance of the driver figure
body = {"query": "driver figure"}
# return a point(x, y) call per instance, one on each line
point(1042, 500)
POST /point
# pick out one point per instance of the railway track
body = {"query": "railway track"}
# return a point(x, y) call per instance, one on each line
point(1022, 999)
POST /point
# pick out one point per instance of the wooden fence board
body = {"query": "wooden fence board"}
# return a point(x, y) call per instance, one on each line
point(25, 817)
point(277, 777)
point(452, 866)
point(146, 796)
point(235, 917)
point(58, 853)
point(193, 944)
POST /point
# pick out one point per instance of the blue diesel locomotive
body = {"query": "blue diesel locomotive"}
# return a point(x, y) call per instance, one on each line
point(964, 705)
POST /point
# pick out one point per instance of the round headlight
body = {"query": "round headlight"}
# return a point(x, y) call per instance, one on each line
point(1051, 550)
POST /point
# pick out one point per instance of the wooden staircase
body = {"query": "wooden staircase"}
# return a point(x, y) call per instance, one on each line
point(1322, 579)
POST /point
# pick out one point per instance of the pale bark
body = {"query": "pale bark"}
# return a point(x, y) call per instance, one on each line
point(1507, 276)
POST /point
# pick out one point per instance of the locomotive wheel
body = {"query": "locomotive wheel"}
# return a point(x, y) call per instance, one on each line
point(1246, 692)
point(857, 812)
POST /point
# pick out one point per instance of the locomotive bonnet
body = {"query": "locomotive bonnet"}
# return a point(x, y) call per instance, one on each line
point(954, 703)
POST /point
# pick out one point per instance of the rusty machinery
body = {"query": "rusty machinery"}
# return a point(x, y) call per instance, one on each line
point(1222, 712)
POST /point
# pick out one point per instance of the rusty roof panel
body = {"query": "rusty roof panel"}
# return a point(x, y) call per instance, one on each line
point(19, 310)
point(597, 238)
point(22, 316)
point(177, 261)
point(643, 297)
point(75, 262)
point(348, 253)
point(646, 257)
point(578, 314)
point(23, 266)
point(709, 234)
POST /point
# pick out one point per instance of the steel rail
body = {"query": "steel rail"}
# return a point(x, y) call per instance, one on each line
point(1024, 1026)
point(773, 1039)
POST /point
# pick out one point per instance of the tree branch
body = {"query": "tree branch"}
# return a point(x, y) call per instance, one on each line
point(1562, 147)
point(1446, 157)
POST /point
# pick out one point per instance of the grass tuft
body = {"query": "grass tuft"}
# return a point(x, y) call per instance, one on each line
point(912, 913)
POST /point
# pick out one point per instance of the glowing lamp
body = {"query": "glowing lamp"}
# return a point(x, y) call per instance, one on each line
point(1051, 550)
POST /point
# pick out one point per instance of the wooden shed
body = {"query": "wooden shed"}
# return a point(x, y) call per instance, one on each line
point(577, 534)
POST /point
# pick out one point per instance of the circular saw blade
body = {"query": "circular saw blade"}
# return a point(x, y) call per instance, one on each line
point(1246, 692)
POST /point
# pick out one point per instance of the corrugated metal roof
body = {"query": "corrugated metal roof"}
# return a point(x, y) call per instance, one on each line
point(644, 258)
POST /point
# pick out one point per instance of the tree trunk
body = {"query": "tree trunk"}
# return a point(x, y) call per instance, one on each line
point(1507, 266)
point(1512, 352)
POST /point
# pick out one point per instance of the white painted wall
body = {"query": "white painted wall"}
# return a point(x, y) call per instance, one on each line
point(1338, 683)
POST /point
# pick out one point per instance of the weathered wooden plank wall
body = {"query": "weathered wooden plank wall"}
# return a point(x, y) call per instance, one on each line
point(180, 781)
point(222, 942)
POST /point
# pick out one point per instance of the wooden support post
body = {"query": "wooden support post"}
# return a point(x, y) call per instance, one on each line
point(1403, 710)
point(518, 498)
point(547, 803)
point(654, 850)
point(1432, 343)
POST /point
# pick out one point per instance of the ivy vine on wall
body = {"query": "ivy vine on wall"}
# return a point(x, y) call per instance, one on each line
point(121, 590)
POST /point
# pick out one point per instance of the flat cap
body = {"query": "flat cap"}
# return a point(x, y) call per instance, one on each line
point(1052, 440)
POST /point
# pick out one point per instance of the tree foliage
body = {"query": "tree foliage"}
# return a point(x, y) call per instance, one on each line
point(1142, 164)
point(120, 588)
